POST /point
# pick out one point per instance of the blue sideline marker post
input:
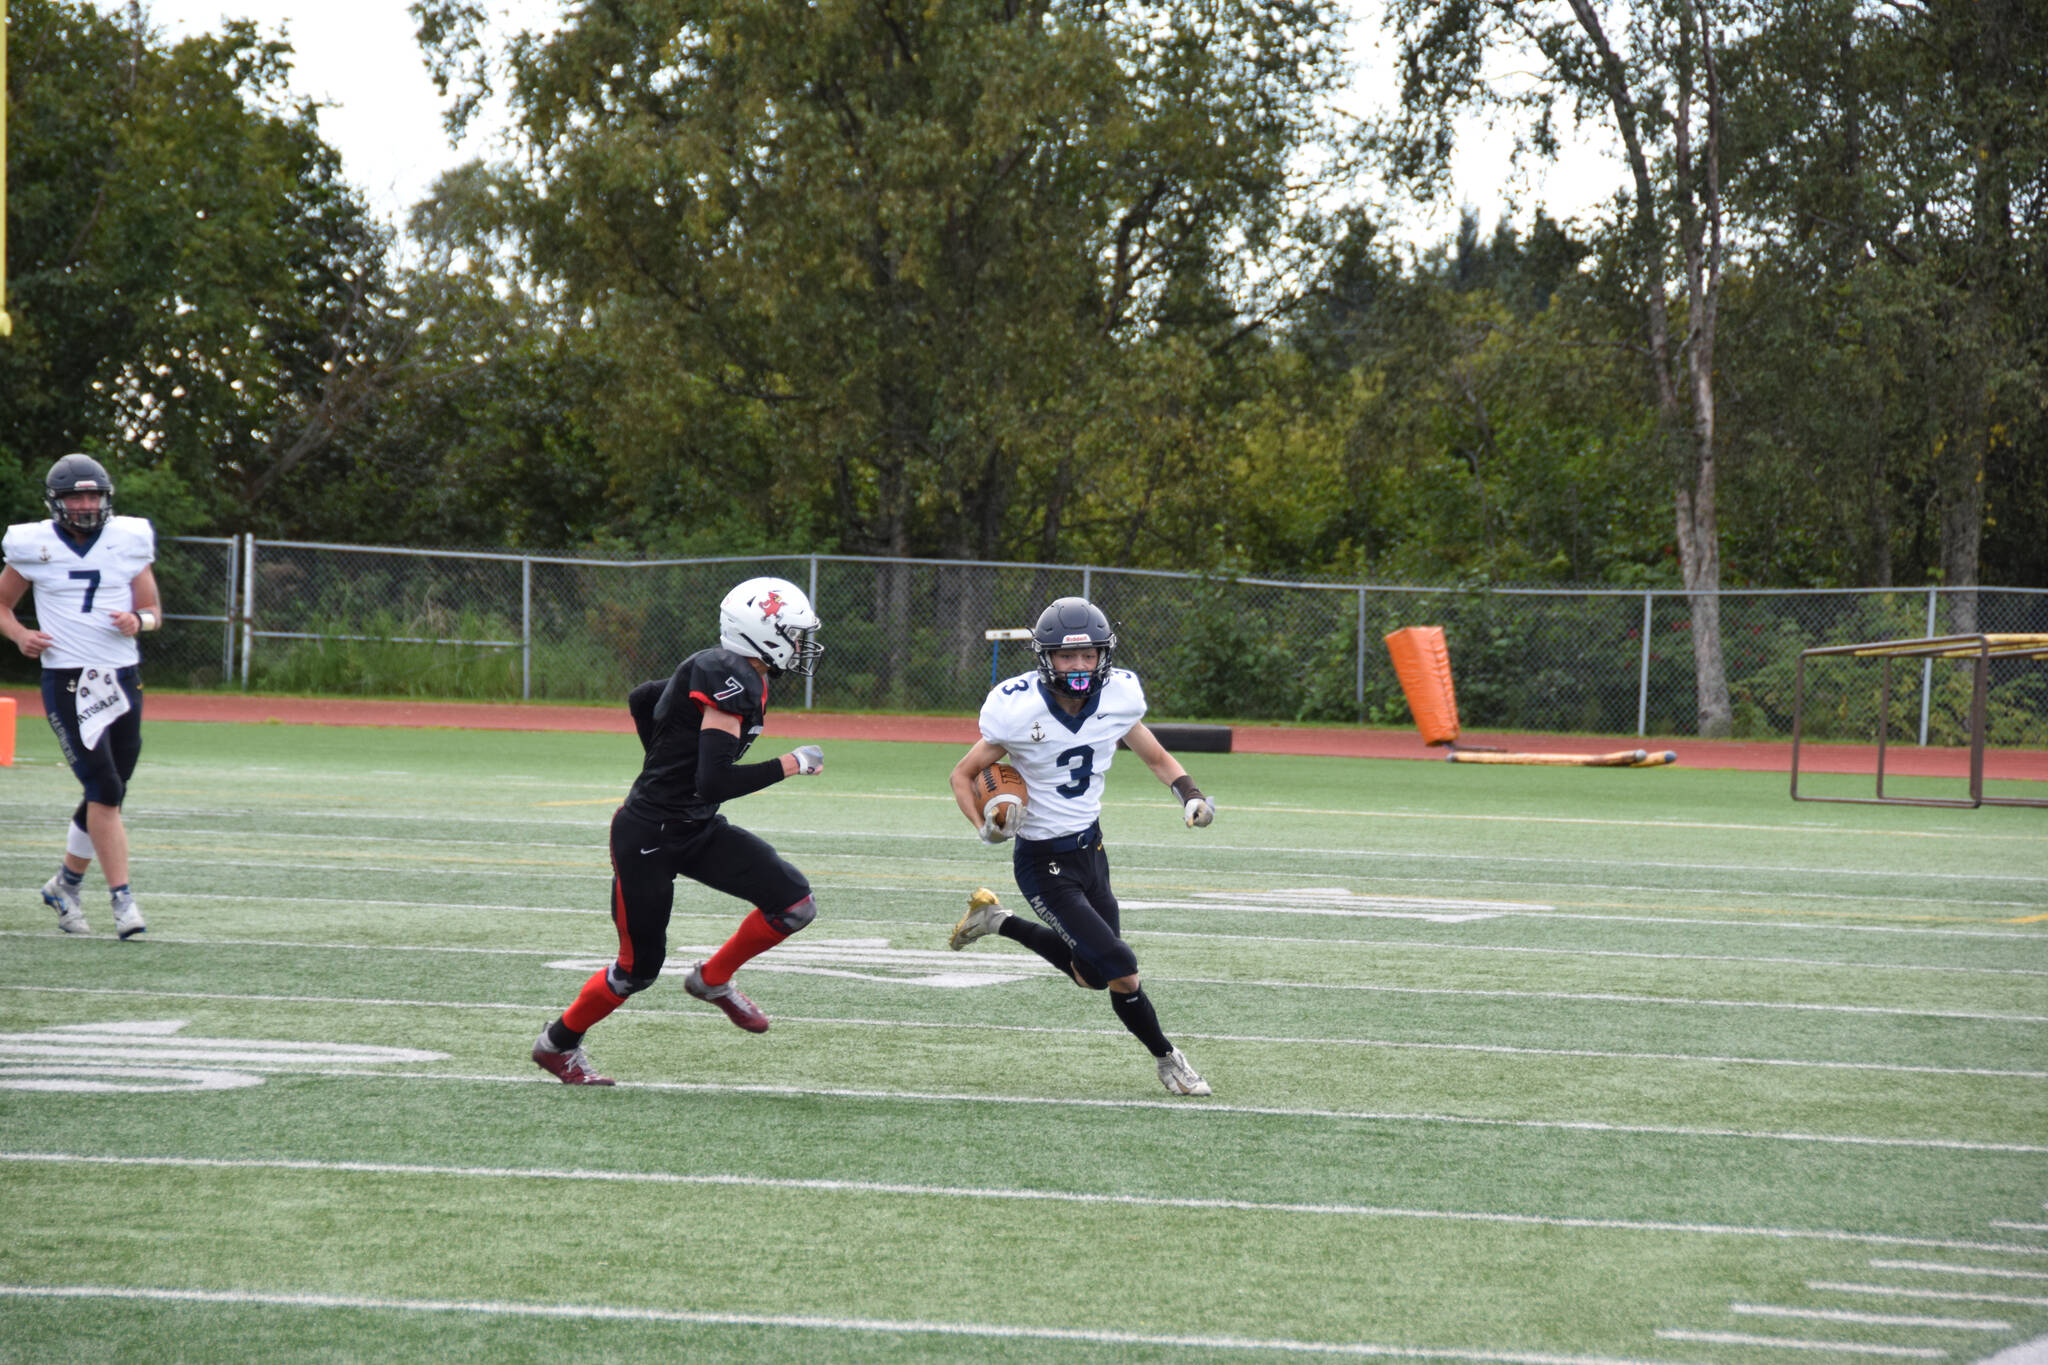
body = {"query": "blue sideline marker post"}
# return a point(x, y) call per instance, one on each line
point(995, 640)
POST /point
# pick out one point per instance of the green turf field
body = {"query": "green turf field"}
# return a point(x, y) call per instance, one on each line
point(1511, 1065)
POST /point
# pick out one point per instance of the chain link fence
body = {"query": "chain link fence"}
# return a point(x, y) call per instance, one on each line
point(909, 635)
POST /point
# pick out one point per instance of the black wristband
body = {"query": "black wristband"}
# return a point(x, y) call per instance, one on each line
point(1184, 787)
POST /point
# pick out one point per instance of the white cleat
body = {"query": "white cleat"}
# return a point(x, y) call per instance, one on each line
point(984, 916)
point(127, 917)
point(1178, 1077)
point(70, 909)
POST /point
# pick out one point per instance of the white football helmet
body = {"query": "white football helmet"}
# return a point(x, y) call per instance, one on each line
point(771, 620)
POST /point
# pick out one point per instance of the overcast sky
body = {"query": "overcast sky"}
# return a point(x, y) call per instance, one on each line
point(362, 59)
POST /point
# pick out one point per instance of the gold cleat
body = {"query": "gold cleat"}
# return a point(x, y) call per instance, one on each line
point(984, 916)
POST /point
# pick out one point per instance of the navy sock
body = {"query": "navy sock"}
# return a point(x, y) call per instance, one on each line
point(1137, 1015)
point(70, 878)
point(1038, 938)
point(118, 891)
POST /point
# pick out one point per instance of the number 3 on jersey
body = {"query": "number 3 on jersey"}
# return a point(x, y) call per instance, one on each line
point(1082, 760)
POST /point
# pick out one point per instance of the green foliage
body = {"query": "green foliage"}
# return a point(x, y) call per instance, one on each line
point(387, 664)
point(881, 271)
point(1223, 661)
point(1042, 284)
point(187, 269)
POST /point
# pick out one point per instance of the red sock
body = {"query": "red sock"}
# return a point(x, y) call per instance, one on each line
point(754, 937)
point(593, 1002)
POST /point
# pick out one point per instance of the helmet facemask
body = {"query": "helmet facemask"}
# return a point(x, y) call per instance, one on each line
point(1073, 682)
point(796, 649)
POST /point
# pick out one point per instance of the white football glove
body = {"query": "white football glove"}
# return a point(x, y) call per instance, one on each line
point(810, 760)
point(1000, 818)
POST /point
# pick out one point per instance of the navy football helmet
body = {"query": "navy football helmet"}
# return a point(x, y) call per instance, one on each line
point(78, 474)
point(1071, 623)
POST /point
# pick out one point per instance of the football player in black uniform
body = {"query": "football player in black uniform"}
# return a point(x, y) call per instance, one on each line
point(695, 727)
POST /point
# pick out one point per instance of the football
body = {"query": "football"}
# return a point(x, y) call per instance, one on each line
point(999, 783)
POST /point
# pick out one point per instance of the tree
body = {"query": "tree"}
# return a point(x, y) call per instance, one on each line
point(899, 260)
point(191, 277)
point(1892, 169)
point(1657, 83)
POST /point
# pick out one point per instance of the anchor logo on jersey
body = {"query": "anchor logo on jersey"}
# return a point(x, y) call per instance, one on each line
point(1037, 733)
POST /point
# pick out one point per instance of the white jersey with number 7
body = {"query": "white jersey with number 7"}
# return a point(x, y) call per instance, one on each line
point(75, 590)
point(1062, 758)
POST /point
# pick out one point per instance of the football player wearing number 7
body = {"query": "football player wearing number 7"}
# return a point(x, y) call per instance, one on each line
point(94, 593)
point(695, 727)
point(1059, 727)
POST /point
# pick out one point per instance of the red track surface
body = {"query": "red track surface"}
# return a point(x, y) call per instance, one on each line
point(2011, 764)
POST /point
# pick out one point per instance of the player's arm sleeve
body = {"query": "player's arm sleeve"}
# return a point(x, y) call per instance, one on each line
point(640, 704)
point(719, 778)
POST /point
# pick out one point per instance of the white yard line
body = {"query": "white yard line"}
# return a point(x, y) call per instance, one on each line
point(986, 1331)
point(2018, 1227)
point(1765, 1310)
point(1802, 830)
point(1212, 1110)
point(1436, 945)
point(1580, 997)
point(1857, 1348)
point(698, 1016)
point(1938, 1267)
point(1430, 856)
point(1608, 998)
point(596, 870)
point(952, 894)
point(1333, 941)
point(1946, 1295)
point(999, 1194)
point(1293, 852)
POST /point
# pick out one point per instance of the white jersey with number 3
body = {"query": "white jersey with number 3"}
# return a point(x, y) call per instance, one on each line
point(1062, 758)
point(75, 590)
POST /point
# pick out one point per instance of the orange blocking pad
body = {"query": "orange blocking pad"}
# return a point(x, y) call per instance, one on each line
point(6, 732)
point(1422, 661)
point(1624, 758)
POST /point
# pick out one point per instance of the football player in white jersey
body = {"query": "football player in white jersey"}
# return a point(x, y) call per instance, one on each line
point(94, 593)
point(1058, 727)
